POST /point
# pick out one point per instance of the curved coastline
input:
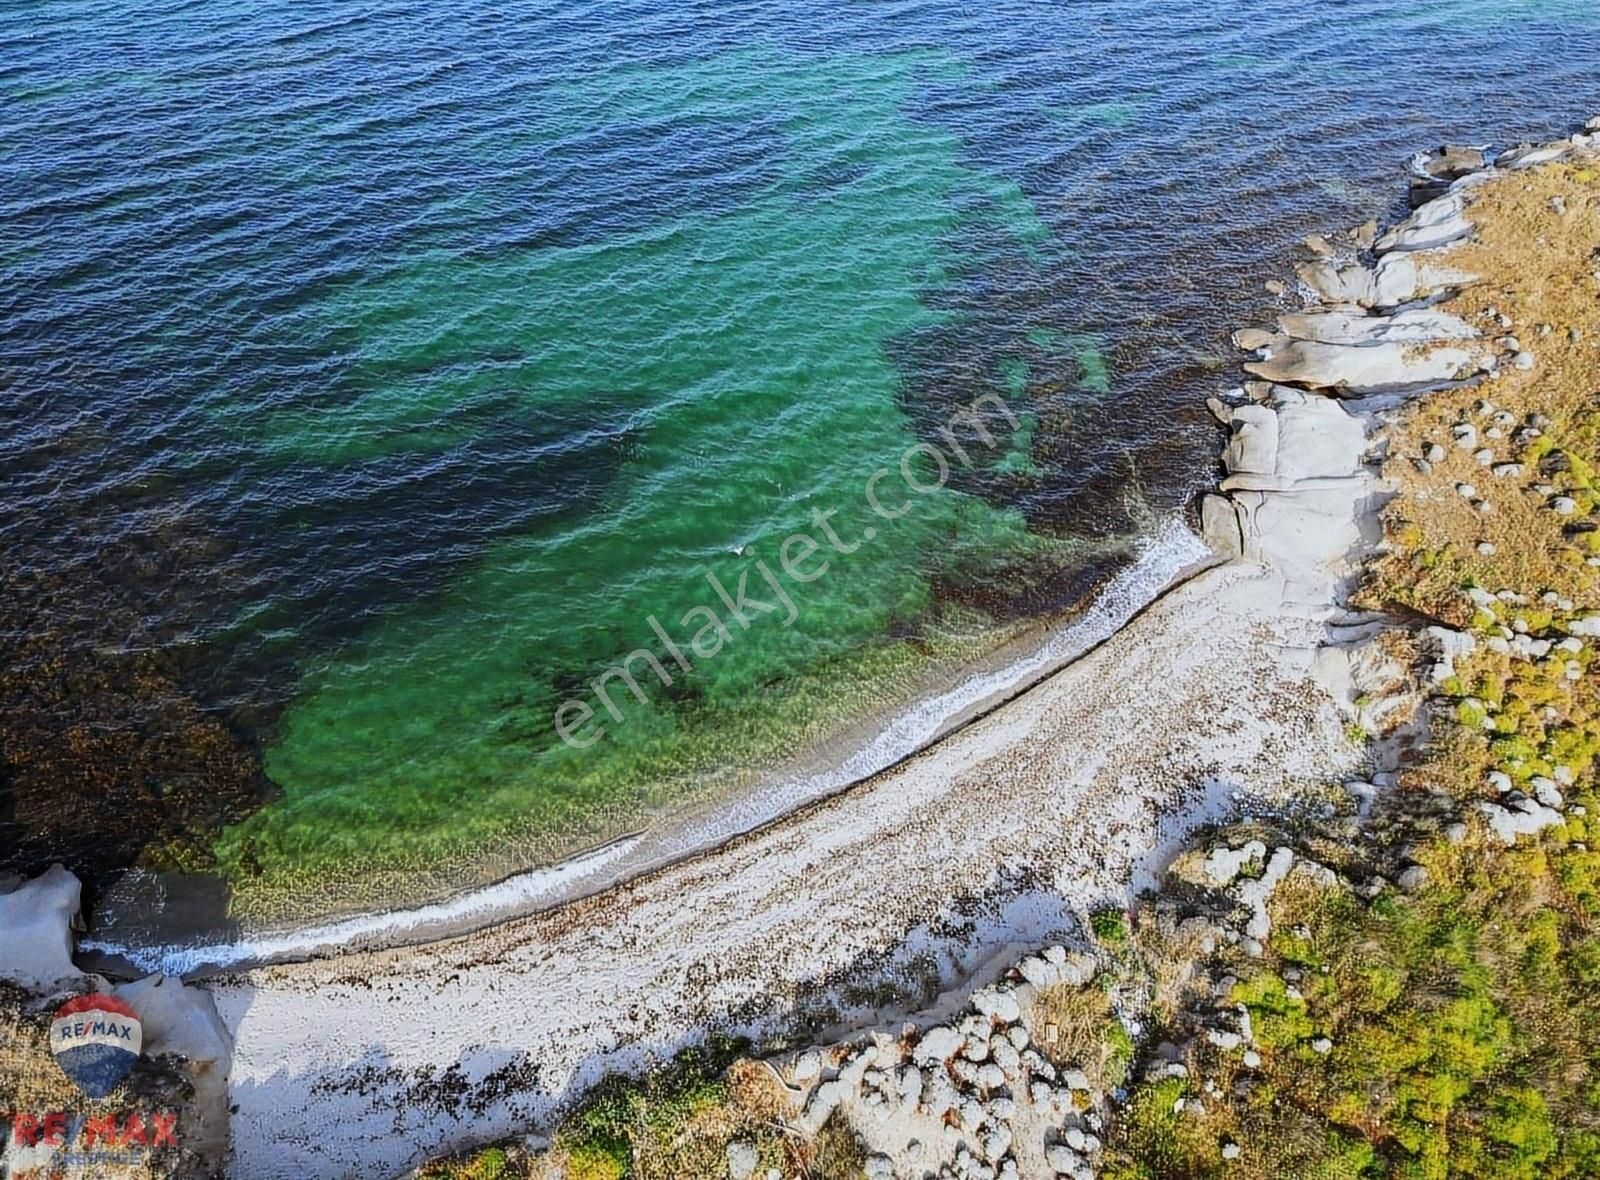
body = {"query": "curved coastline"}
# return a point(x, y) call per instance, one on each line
point(1232, 694)
point(1168, 558)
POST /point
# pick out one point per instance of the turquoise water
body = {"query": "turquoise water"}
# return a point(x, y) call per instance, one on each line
point(375, 374)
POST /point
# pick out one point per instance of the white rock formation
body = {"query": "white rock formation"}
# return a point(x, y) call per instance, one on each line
point(36, 940)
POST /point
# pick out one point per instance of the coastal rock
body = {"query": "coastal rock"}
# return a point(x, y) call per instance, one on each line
point(1437, 223)
point(1374, 368)
point(1403, 276)
point(1317, 437)
point(743, 1159)
point(1221, 525)
point(1253, 441)
point(1530, 155)
point(1450, 162)
point(1352, 284)
point(36, 939)
point(1303, 529)
point(1414, 326)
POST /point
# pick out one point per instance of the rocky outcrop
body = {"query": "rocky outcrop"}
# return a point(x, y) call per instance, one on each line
point(1297, 494)
point(181, 1023)
point(36, 920)
point(185, 1048)
point(1371, 368)
point(981, 1095)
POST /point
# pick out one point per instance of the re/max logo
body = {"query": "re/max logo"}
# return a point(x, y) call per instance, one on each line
point(127, 1130)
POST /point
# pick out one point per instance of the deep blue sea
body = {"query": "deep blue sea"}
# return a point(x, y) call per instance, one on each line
point(372, 373)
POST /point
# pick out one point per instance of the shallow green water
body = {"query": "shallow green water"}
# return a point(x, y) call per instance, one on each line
point(740, 355)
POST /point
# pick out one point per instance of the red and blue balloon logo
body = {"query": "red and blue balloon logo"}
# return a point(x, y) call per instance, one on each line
point(96, 1040)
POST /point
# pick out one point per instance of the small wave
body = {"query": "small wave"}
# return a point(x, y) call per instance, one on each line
point(475, 908)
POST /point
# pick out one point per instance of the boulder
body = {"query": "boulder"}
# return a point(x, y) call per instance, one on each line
point(1438, 223)
point(939, 1043)
point(1413, 326)
point(36, 939)
point(1253, 441)
point(1252, 339)
point(1351, 284)
point(999, 1004)
point(1449, 162)
point(1521, 817)
point(1375, 368)
point(1412, 879)
point(1223, 864)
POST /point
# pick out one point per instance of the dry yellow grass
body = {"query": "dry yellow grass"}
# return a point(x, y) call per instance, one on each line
point(1539, 267)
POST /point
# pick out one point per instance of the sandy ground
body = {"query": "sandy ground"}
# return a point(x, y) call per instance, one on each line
point(365, 1064)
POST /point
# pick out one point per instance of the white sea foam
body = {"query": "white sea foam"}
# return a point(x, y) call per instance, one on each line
point(476, 907)
point(1163, 554)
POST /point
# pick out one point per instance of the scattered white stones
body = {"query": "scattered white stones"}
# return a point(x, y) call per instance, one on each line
point(743, 1159)
point(1518, 817)
point(998, 1004)
point(1223, 864)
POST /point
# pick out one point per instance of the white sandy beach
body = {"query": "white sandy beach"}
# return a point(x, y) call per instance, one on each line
point(368, 1063)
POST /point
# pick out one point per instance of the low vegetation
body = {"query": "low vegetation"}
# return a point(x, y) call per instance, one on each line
point(1450, 1030)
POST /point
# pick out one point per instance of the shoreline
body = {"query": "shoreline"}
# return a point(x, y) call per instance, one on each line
point(1232, 694)
point(998, 836)
point(1168, 558)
